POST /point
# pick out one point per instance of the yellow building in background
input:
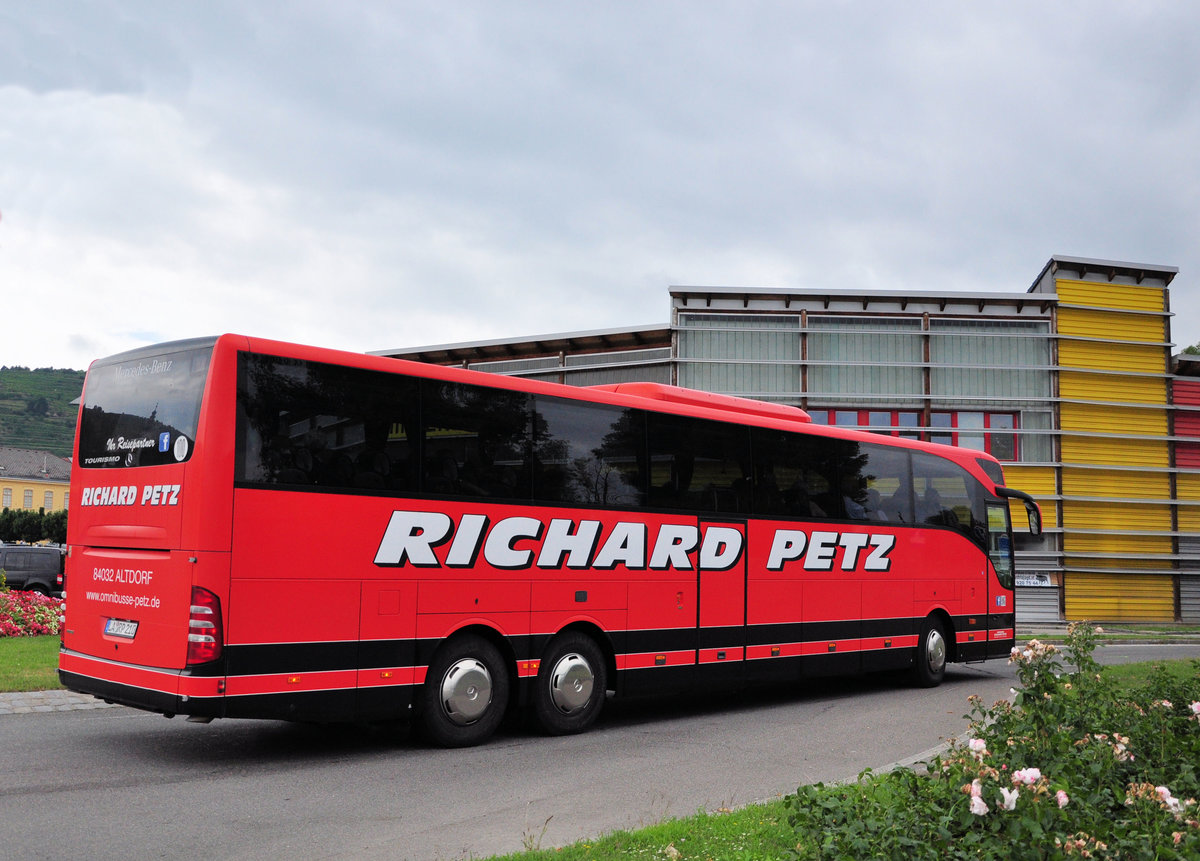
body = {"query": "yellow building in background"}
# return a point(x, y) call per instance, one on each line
point(33, 480)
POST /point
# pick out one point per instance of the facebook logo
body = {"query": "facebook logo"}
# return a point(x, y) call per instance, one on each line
point(164, 442)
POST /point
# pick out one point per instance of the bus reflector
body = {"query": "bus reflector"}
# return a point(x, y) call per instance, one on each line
point(205, 634)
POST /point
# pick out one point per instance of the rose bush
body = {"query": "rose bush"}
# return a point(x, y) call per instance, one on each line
point(29, 614)
point(1066, 769)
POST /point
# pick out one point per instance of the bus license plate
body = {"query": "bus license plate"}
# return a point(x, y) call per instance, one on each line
point(120, 628)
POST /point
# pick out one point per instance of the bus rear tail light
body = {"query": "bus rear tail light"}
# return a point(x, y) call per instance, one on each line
point(205, 633)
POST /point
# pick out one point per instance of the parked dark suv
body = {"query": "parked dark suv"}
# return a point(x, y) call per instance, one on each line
point(28, 566)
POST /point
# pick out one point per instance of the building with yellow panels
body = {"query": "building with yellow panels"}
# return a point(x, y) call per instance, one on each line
point(1071, 384)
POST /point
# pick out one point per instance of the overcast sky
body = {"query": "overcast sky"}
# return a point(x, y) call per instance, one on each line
point(374, 175)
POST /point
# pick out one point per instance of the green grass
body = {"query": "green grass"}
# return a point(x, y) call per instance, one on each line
point(28, 663)
point(760, 831)
point(1130, 676)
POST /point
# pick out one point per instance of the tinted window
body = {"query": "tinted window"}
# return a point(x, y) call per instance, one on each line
point(876, 484)
point(142, 410)
point(699, 465)
point(306, 423)
point(946, 495)
point(587, 453)
point(476, 441)
point(795, 474)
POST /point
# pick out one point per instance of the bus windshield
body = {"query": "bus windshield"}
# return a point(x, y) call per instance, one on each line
point(141, 409)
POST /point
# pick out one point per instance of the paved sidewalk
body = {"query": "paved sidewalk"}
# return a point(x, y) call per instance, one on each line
point(48, 701)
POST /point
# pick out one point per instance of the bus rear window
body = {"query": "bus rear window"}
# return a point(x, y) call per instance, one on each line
point(141, 409)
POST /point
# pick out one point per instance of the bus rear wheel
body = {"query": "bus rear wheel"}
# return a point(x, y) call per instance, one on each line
point(571, 684)
point(932, 653)
point(465, 693)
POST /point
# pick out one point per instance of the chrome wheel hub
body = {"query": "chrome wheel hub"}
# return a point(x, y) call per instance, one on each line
point(935, 650)
point(571, 683)
point(466, 691)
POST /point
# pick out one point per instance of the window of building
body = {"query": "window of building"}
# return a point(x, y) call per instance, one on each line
point(8, 497)
point(48, 500)
point(995, 433)
point(29, 499)
point(990, 432)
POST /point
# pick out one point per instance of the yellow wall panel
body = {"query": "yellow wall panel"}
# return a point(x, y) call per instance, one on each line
point(1040, 483)
point(1187, 485)
point(1145, 546)
point(1112, 387)
point(1119, 452)
point(1112, 356)
point(1134, 421)
point(1105, 295)
point(1119, 597)
point(1189, 518)
point(1139, 517)
point(1037, 481)
point(1111, 325)
point(1116, 483)
point(1020, 519)
point(1086, 564)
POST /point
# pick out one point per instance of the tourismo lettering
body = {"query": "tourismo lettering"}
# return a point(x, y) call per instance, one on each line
point(412, 537)
point(151, 494)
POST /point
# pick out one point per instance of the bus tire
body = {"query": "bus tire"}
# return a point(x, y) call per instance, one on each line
point(465, 693)
point(571, 685)
point(929, 667)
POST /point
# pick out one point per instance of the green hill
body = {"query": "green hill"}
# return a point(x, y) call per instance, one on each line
point(36, 410)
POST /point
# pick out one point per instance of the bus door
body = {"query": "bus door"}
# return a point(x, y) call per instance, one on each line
point(721, 607)
point(1001, 595)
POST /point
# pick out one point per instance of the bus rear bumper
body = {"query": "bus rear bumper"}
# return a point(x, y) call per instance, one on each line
point(164, 691)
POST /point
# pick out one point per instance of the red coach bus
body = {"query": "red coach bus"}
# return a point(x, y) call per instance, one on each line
point(265, 530)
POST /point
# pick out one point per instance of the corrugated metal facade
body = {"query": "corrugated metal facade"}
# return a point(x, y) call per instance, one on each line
point(1120, 596)
point(1118, 524)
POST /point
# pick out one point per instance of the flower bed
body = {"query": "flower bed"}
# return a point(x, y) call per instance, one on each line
point(1067, 769)
point(29, 614)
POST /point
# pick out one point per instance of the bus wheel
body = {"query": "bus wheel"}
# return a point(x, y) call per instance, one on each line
point(465, 693)
point(930, 666)
point(571, 685)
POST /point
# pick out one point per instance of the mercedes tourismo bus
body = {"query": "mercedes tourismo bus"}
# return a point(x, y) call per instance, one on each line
point(265, 530)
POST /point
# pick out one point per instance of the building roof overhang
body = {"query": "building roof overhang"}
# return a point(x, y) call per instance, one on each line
point(594, 341)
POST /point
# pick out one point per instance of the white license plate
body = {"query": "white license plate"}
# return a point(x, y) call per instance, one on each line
point(120, 628)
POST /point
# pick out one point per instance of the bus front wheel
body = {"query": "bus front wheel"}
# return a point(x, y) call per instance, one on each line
point(571, 684)
point(465, 693)
point(932, 654)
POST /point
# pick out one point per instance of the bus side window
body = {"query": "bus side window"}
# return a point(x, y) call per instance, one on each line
point(310, 424)
point(587, 453)
point(475, 441)
point(699, 465)
point(947, 495)
point(792, 474)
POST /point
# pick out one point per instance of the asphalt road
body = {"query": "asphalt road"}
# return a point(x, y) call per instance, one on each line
point(116, 783)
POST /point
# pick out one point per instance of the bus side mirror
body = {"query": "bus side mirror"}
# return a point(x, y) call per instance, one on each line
point(1035, 517)
point(1031, 508)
